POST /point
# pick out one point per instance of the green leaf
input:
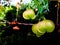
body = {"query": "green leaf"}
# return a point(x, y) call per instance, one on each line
point(0, 33)
point(8, 8)
point(41, 5)
point(2, 15)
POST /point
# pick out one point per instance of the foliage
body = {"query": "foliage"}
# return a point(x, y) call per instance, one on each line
point(40, 8)
point(3, 11)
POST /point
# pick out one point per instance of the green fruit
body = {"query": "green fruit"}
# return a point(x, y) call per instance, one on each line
point(29, 14)
point(39, 34)
point(46, 25)
point(50, 26)
point(41, 26)
point(36, 31)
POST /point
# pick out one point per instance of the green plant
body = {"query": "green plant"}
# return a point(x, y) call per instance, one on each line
point(3, 21)
point(29, 14)
point(39, 9)
point(42, 7)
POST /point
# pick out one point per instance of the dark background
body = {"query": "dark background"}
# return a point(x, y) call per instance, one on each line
point(11, 37)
